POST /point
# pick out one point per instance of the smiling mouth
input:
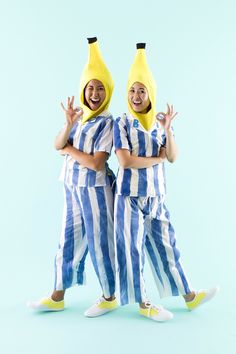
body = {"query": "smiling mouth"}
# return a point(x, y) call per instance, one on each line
point(95, 100)
point(137, 103)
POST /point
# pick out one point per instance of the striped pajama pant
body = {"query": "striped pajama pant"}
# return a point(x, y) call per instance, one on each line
point(87, 225)
point(142, 226)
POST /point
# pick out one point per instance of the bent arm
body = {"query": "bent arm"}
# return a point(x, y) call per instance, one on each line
point(63, 136)
point(126, 160)
point(94, 162)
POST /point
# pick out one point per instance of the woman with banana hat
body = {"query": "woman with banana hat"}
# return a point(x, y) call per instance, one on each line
point(87, 225)
point(143, 141)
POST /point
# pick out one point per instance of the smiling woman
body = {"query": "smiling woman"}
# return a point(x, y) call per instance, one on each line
point(143, 140)
point(94, 94)
point(86, 142)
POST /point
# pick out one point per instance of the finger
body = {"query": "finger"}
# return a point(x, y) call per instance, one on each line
point(160, 115)
point(72, 101)
point(174, 115)
point(68, 102)
point(168, 109)
point(80, 113)
point(160, 121)
point(172, 109)
point(62, 105)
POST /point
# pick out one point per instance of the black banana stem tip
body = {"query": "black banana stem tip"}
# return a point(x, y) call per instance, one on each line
point(141, 45)
point(92, 40)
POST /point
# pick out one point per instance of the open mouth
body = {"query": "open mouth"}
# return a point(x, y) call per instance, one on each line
point(95, 100)
point(137, 103)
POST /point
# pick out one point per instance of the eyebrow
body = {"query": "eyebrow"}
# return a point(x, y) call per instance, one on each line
point(140, 88)
point(97, 86)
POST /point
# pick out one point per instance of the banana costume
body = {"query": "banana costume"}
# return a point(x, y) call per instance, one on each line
point(140, 72)
point(141, 218)
point(89, 199)
point(95, 69)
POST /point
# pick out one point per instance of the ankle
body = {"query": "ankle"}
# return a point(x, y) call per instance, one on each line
point(111, 298)
point(58, 295)
point(144, 305)
point(189, 297)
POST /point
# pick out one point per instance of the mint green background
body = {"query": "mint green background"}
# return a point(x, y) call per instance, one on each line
point(191, 49)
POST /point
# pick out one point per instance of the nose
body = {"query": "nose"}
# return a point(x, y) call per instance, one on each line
point(136, 96)
point(95, 93)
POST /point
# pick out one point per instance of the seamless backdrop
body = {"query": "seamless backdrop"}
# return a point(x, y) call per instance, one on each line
point(191, 50)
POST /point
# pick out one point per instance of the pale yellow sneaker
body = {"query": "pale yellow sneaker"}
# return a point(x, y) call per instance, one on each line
point(47, 304)
point(101, 307)
point(156, 313)
point(201, 297)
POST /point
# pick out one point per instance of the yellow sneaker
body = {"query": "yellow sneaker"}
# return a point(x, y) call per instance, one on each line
point(101, 307)
point(201, 297)
point(156, 313)
point(47, 304)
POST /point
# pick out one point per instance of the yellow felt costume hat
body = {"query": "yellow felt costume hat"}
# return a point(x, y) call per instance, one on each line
point(140, 72)
point(95, 69)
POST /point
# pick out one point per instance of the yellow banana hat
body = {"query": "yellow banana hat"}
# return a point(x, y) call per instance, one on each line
point(140, 72)
point(95, 69)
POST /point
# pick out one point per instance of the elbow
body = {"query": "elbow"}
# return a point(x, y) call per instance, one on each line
point(59, 146)
point(124, 163)
point(172, 159)
point(56, 144)
point(56, 147)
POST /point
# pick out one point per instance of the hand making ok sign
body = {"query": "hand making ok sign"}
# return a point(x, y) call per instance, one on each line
point(72, 114)
point(165, 119)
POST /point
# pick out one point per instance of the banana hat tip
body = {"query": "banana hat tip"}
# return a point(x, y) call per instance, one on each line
point(141, 45)
point(92, 40)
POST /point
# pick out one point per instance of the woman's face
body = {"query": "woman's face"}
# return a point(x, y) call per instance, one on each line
point(138, 98)
point(94, 94)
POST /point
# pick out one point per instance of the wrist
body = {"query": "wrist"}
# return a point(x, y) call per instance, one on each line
point(68, 126)
point(168, 130)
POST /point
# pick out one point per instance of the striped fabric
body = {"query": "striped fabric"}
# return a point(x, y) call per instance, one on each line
point(93, 136)
point(129, 134)
point(87, 226)
point(142, 224)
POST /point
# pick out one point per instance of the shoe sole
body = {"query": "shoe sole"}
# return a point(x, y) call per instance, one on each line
point(99, 314)
point(158, 320)
point(42, 308)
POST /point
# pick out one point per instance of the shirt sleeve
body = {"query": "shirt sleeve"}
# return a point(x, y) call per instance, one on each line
point(120, 135)
point(163, 137)
point(104, 140)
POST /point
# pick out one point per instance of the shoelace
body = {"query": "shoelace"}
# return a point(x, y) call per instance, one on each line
point(101, 299)
point(149, 306)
